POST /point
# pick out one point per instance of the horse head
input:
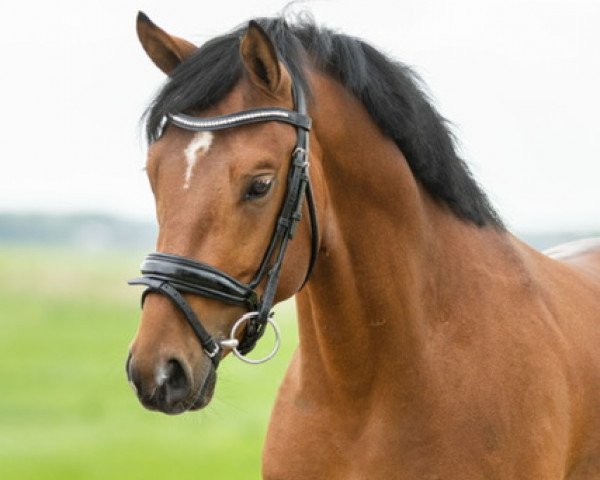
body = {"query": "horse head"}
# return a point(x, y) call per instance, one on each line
point(229, 190)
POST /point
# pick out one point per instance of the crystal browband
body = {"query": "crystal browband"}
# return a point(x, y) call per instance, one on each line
point(249, 116)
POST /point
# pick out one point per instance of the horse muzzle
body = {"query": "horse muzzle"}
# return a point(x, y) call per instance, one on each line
point(169, 386)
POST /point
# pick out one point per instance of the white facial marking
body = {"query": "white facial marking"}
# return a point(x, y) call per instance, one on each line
point(199, 145)
point(162, 373)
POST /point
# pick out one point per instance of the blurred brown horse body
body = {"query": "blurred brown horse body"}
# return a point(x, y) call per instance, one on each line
point(430, 347)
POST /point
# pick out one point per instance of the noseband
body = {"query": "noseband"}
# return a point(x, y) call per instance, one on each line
point(172, 275)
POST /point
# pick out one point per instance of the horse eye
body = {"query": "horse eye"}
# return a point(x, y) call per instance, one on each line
point(259, 188)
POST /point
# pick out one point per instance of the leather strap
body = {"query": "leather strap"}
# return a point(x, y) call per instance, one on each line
point(245, 117)
point(210, 346)
point(314, 231)
point(190, 276)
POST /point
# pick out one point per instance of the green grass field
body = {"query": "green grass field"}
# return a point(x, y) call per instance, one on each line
point(66, 410)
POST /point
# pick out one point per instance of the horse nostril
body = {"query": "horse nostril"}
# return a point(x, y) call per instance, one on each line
point(166, 388)
point(175, 382)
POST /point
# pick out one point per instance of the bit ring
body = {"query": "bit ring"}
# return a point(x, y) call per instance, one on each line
point(233, 343)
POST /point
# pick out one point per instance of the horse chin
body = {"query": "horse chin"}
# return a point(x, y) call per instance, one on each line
point(206, 392)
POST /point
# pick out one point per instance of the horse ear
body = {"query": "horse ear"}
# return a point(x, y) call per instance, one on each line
point(166, 51)
point(261, 62)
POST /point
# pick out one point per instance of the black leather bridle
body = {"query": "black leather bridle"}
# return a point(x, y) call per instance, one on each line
point(171, 275)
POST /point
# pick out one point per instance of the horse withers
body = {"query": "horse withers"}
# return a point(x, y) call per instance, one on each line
point(288, 159)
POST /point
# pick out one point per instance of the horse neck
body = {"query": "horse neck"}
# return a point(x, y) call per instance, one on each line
point(390, 260)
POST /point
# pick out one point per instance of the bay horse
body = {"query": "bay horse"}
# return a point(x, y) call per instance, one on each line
point(433, 343)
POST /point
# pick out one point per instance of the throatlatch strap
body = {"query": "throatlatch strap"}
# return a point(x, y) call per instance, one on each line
point(314, 231)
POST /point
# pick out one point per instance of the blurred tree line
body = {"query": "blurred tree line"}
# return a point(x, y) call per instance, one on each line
point(91, 231)
point(83, 231)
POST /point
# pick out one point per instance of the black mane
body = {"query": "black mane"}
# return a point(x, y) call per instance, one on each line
point(390, 91)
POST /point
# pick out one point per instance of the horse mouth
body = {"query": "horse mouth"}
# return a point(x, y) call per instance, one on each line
point(197, 402)
point(206, 392)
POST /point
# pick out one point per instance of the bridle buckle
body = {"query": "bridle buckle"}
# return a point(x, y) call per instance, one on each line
point(215, 352)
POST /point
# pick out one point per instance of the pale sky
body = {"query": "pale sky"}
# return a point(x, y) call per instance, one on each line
point(518, 78)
